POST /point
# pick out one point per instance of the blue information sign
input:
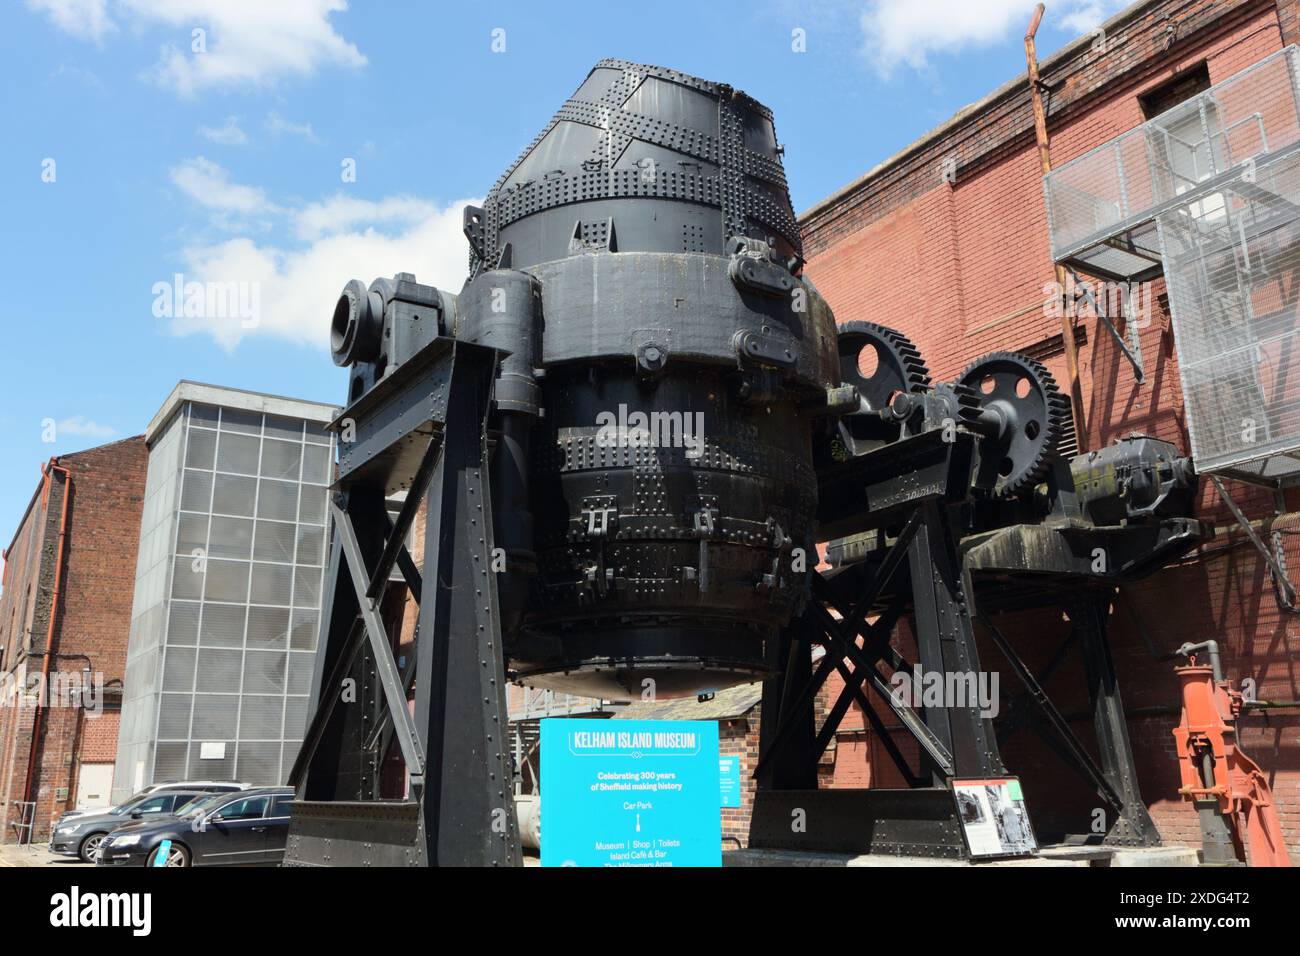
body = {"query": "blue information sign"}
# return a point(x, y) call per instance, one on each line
point(630, 793)
point(729, 780)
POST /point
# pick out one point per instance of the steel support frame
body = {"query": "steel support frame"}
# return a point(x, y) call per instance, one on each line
point(1115, 777)
point(459, 810)
point(1089, 614)
point(954, 741)
point(1283, 589)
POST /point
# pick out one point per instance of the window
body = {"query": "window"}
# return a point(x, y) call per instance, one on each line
point(1184, 86)
point(154, 805)
point(250, 808)
point(280, 805)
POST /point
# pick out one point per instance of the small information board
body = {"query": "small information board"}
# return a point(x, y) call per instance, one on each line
point(993, 817)
point(630, 793)
point(729, 780)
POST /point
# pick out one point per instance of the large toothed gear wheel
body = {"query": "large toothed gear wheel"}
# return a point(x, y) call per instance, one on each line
point(880, 362)
point(1035, 418)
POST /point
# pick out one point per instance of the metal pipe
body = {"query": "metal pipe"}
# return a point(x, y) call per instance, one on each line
point(48, 472)
point(1045, 162)
point(1212, 651)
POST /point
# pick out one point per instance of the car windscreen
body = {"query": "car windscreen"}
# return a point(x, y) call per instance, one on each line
point(203, 805)
point(128, 803)
point(185, 801)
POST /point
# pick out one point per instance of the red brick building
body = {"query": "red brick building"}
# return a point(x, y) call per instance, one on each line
point(65, 615)
point(948, 242)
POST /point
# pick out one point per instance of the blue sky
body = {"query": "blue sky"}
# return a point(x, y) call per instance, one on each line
point(136, 149)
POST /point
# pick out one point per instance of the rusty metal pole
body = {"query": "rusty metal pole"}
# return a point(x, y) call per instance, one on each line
point(1067, 304)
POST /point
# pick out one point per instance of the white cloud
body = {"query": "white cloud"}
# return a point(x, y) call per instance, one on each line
point(82, 426)
point(342, 213)
point(296, 288)
point(87, 19)
point(907, 32)
point(227, 134)
point(244, 42)
point(277, 124)
point(210, 186)
point(287, 289)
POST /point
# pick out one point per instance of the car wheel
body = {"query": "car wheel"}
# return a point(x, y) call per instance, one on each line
point(177, 855)
point(89, 845)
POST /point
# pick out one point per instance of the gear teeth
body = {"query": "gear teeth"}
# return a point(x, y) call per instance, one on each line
point(1057, 434)
point(916, 377)
point(968, 403)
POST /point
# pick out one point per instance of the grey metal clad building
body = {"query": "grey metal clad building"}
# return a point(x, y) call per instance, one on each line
point(233, 543)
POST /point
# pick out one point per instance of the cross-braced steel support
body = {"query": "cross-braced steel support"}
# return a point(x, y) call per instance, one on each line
point(427, 436)
point(920, 571)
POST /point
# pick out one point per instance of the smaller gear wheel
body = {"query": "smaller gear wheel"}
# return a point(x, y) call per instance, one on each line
point(880, 363)
point(1035, 418)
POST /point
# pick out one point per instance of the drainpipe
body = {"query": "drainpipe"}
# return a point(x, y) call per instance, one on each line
point(1045, 161)
point(55, 598)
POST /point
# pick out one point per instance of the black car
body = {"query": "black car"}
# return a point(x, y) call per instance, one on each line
point(249, 828)
point(81, 835)
point(194, 786)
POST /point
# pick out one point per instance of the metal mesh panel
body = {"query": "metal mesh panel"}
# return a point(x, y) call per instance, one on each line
point(302, 634)
point(219, 670)
point(291, 748)
point(191, 533)
point(200, 449)
point(174, 717)
point(231, 538)
point(215, 716)
point(260, 717)
point(281, 459)
point(183, 627)
point(226, 541)
point(277, 500)
point(275, 541)
point(1232, 257)
point(211, 768)
point(268, 628)
point(187, 578)
point(170, 761)
point(222, 625)
point(316, 464)
point(1115, 188)
point(238, 454)
point(227, 581)
point(264, 672)
point(311, 545)
point(272, 583)
point(196, 491)
point(300, 666)
point(259, 763)
point(306, 587)
point(295, 716)
point(311, 510)
point(178, 669)
point(233, 495)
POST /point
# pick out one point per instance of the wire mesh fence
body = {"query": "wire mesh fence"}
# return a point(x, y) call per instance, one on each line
point(1208, 193)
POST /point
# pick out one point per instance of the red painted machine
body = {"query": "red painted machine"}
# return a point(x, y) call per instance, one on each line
point(1229, 790)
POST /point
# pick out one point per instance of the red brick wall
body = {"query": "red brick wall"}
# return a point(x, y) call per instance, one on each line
point(739, 738)
point(91, 626)
point(963, 269)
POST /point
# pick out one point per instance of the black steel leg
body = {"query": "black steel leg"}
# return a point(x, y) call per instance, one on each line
point(1133, 826)
point(460, 706)
point(946, 641)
